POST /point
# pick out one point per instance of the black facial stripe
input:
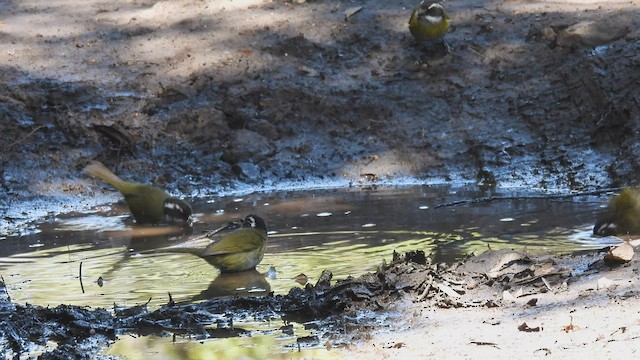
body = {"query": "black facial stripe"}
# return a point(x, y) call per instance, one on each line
point(255, 222)
point(177, 209)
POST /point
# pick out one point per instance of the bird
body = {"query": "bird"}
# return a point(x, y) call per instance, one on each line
point(622, 215)
point(429, 22)
point(148, 205)
point(239, 250)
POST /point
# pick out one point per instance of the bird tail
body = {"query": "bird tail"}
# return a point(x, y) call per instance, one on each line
point(97, 169)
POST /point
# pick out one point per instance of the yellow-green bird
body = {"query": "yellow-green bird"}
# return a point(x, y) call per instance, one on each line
point(429, 21)
point(622, 216)
point(239, 250)
point(148, 205)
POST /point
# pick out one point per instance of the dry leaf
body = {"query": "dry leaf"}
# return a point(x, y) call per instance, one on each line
point(620, 254)
point(526, 328)
point(301, 279)
point(506, 295)
point(351, 11)
point(447, 290)
point(604, 283)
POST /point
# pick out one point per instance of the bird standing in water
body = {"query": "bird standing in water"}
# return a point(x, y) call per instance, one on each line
point(148, 204)
point(239, 250)
point(429, 22)
point(622, 216)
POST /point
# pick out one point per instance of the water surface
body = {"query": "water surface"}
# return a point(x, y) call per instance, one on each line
point(349, 231)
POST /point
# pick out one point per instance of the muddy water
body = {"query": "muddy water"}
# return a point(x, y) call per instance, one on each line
point(348, 231)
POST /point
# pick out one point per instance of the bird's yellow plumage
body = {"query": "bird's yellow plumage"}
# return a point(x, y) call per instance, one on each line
point(147, 204)
point(429, 21)
point(622, 216)
point(239, 250)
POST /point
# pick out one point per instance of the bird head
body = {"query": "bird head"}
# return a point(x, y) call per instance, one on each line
point(177, 209)
point(254, 221)
point(432, 11)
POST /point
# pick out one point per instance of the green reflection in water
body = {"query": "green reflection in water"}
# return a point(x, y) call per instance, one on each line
point(266, 342)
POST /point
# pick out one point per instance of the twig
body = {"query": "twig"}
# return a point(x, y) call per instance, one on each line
point(484, 343)
point(80, 277)
point(487, 199)
point(23, 138)
point(5, 287)
point(546, 283)
point(425, 292)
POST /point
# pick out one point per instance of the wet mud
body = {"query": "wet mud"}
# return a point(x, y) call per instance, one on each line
point(349, 97)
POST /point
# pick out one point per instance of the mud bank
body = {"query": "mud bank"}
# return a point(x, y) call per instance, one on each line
point(502, 284)
point(256, 92)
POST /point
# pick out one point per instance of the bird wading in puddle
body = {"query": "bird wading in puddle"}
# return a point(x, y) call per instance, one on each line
point(239, 250)
point(622, 215)
point(148, 205)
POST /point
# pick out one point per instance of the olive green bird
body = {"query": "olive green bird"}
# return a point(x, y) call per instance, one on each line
point(429, 21)
point(148, 205)
point(239, 250)
point(622, 216)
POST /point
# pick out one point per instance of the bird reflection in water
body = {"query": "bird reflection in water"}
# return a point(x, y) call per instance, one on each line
point(245, 283)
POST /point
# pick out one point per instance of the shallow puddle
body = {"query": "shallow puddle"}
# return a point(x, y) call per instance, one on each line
point(349, 231)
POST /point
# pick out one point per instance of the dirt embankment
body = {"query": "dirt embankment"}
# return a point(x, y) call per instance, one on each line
point(259, 92)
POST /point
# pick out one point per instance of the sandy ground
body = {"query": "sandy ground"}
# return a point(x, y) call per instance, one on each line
point(190, 93)
point(591, 315)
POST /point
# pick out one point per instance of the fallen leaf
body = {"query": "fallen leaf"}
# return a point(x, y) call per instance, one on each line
point(620, 254)
point(492, 321)
point(604, 283)
point(447, 290)
point(526, 328)
point(506, 295)
point(351, 11)
point(301, 279)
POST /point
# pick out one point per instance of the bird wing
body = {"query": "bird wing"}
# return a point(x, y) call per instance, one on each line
point(239, 241)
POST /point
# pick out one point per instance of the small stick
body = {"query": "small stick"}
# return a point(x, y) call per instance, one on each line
point(538, 197)
point(5, 287)
point(23, 139)
point(80, 277)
